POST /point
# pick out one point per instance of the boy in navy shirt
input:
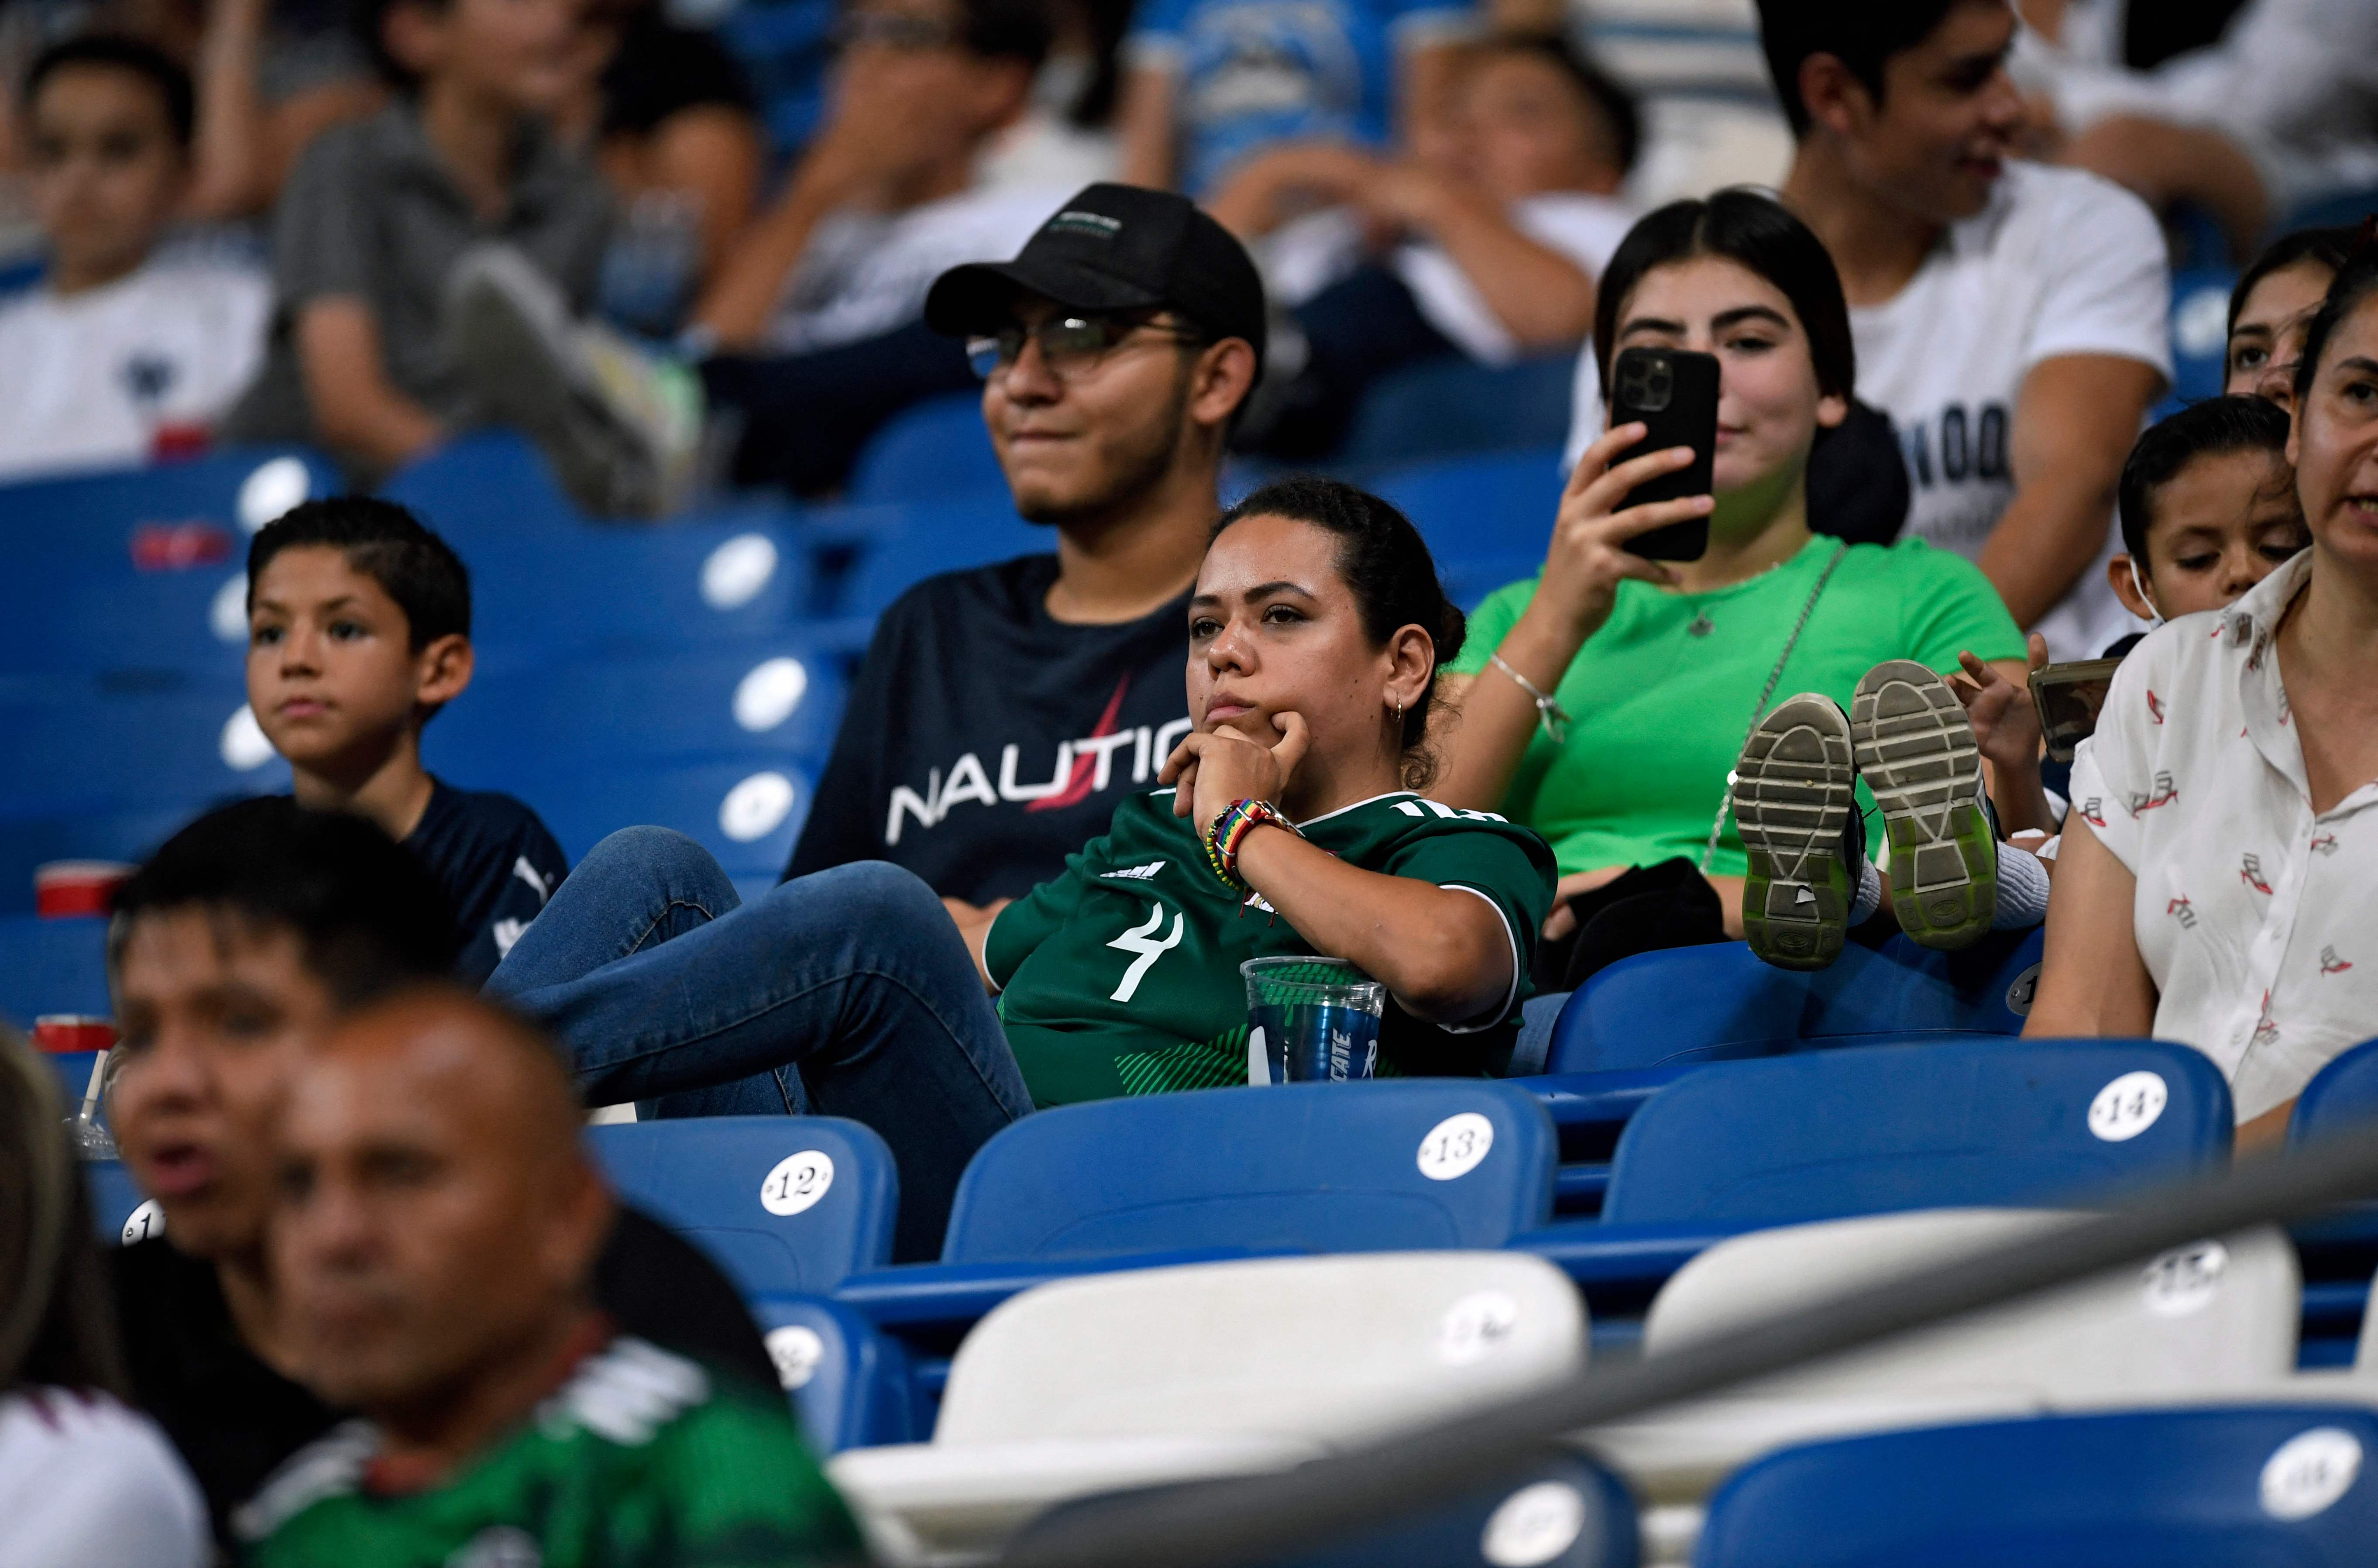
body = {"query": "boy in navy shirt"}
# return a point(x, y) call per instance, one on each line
point(359, 631)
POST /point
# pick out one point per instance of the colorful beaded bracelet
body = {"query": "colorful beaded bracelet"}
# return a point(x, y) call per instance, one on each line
point(1229, 829)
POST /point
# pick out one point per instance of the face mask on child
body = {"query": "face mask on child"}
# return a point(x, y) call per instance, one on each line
point(2155, 618)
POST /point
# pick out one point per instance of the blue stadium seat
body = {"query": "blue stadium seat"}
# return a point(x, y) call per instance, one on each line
point(1974, 1121)
point(909, 544)
point(784, 47)
point(2200, 322)
point(1719, 1002)
point(2246, 1486)
point(1562, 1511)
point(1453, 407)
point(1495, 506)
point(779, 699)
point(51, 965)
point(2341, 1098)
point(27, 842)
point(747, 815)
point(937, 451)
point(787, 1205)
point(1229, 1173)
point(193, 742)
point(118, 1212)
point(849, 1383)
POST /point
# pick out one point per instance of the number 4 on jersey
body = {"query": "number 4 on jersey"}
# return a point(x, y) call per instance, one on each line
point(1142, 939)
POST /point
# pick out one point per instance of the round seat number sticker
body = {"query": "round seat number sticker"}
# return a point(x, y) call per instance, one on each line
point(144, 1222)
point(797, 1182)
point(1534, 1524)
point(1476, 1326)
point(2309, 1472)
point(796, 1351)
point(2128, 1107)
point(1455, 1146)
point(2185, 1279)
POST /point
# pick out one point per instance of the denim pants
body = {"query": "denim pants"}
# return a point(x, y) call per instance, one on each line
point(848, 993)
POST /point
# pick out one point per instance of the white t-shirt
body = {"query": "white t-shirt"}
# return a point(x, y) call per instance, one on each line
point(1586, 229)
point(2257, 921)
point(84, 1482)
point(867, 273)
point(2060, 262)
point(94, 376)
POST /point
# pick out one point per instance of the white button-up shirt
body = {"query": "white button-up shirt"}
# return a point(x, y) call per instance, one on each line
point(2257, 920)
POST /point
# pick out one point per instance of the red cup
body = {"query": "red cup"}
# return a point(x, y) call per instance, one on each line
point(64, 1033)
point(64, 890)
point(172, 442)
point(177, 546)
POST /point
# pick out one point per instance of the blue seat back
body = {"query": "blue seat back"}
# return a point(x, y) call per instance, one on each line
point(1984, 1121)
point(2247, 1487)
point(850, 1385)
point(936, 451)
point(1721, 1002)
point(1455, 405)
point(785, 1204)
point(112, 750)
point(52, 966)
point(905, 545)
point(1318, 1167)
point(748, 815)
point(118, 1212)
point(1562, 1511)
point(2341, 1098)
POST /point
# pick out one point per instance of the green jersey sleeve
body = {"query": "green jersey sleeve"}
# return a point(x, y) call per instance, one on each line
point(1511, 869)
point(749, 1495)
point(1950, 607)
point(1490, 623)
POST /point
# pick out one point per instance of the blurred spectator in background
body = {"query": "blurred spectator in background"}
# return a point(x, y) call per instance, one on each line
point(2280, 110)
point(672, 123)
point(1608, 654)
point(82, 1479)
point(1066, 137)
point(123, 350)
point(1211, 83)
point(813, 324)
point(2273, 304)
point(235, 948)
point(2215, 886)
point(432, 261)
point(1489, 247)
point(433, 1252)
point(1002, 712)
point(2010, 319)
point(272, 75)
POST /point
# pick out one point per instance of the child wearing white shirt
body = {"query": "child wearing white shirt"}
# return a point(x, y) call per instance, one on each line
point(121, 353)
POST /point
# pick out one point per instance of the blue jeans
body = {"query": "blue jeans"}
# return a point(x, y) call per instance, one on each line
point(848, 992)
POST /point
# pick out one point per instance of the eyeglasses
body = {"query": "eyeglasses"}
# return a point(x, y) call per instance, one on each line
point(892, 29)
point(1070, 345)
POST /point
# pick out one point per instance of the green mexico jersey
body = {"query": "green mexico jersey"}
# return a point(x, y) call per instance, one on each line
point(642, 1460)
point(1121, 976)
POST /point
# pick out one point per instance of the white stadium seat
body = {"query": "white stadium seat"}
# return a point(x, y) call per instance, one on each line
point(1209, 1369)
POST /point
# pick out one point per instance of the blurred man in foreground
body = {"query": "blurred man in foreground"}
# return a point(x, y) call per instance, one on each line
point(434, 1246)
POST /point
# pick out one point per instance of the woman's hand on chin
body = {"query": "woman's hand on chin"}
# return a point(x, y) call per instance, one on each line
point(1209, 771)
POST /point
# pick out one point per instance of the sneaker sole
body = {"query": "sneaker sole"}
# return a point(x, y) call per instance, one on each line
point(517, 361)
point(1794, 791)
point(1916, 752)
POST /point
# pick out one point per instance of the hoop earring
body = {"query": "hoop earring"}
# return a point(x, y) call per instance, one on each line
point(1400, 710)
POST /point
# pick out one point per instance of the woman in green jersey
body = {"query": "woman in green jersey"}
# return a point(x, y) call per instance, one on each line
point(1291, 825)
point(1607, 702)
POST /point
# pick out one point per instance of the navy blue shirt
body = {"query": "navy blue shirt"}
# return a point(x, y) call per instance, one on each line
point(498, 864)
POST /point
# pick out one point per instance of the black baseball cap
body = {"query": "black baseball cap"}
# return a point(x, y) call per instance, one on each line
point(1115, 248)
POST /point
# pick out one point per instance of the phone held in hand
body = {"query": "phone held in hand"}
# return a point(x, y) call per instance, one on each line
point(1674, 394)
point(2070, 697)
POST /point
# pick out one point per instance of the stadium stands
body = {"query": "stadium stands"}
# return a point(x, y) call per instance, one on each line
point(1171, 1374)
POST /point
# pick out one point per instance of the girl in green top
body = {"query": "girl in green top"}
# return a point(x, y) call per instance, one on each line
point(1291, 825)
point(1606, 701)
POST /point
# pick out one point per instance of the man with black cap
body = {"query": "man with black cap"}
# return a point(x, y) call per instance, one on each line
point(1003, 711)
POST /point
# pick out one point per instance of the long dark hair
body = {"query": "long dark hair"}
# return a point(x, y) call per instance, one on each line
point(57, 1321)
point(1754, 231)
point(1387, 567)
point(2330, 248)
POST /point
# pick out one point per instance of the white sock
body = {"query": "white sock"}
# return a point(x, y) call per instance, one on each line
point(2022, 890)
point(1869, 894)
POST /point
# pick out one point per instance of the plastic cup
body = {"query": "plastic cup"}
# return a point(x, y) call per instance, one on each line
point(1311, 1020)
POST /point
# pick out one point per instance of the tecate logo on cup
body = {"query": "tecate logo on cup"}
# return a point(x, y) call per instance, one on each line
point(64, 890)
point(64, 1033)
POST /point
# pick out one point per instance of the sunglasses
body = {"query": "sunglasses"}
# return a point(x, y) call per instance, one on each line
point(1069, 344)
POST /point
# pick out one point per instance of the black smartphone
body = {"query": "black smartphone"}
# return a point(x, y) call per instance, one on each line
point(1673, 393)
point(2070, 697)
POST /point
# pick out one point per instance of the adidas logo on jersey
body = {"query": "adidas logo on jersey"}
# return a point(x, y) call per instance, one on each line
point(1134, 873)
